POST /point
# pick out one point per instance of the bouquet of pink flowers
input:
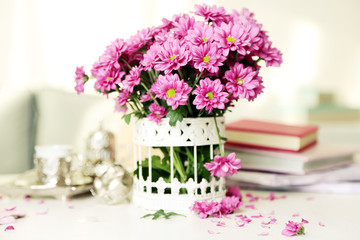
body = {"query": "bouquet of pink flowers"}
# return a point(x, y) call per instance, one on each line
point(186, 68)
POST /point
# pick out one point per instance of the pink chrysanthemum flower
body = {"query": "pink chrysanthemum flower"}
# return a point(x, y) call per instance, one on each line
point(140, 39)
point(241, 81)
point(233, 37)
point(108, 80)
point(221, 166)
point(272, 56)
point(108, 63)
point(121, 100)
point(151, 57)
point(132, 79)
point(79, 79)
point(207, 56)
point(157, 112)
point(182, 25)
point(206, 208)
point(293, 228)
point(257, 90)
point(214, 13)
point(172, 89)
point(145, 97)
point(234, 192)
point(172, 55)
point(210, 95)
point(201, 33)
point(229, 204)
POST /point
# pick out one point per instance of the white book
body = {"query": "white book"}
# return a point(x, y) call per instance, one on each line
point(318, 157)
point(346, 173)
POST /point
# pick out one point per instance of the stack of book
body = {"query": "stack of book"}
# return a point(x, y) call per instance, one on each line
point(287, 157)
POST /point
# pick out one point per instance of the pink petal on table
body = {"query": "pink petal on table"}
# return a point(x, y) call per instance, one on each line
point(250, 207)
point(257, 216)
point(321, 224)
point(9, 228)
point(221, 224)
point(41, 202)
point(304, 221)
point(7, 220)
point(271, 196)
point(310, 198)
point(27, 198)
point(263, 234)
point(273, 220)
point(249, 195)
point(240, 216)
point(267, 214)
point(296, 214)
point(71, 207)
point(265, 226)
point(43, 212)
point(281, 197)
point(240, 223)
point(1, 197)
point(212, 232)
point(10, 209)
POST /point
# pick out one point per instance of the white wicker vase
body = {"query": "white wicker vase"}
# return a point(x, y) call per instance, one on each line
point(192, 132)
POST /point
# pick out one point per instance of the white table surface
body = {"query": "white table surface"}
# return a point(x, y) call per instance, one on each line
point(85, 217)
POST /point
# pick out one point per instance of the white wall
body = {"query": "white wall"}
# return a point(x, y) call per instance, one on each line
point(43, 41)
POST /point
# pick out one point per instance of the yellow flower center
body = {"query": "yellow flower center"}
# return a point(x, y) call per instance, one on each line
point(206, 59)
point(170, 93)
point(209, 95)
point(108, 79)
point(230, 39)
point(173, 57)
point(205, 39)
point(157, 115)
point(240, 80)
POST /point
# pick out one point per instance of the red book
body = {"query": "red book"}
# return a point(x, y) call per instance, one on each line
point(270, 135)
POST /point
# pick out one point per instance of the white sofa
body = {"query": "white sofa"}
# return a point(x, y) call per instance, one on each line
point(50, 116)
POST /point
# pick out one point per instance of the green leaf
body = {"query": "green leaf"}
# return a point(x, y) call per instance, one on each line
point(156, 163)
point(127, 118)
point(174, 116)
point(161, 213)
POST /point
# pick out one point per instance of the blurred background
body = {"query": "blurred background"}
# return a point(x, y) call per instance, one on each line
point(42, 42)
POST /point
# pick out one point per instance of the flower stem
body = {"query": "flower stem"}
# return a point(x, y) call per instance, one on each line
point(218, 133)
point(181, 74)
point(127, 64)
point(152, 96)
point(179, 166)
point(196, 81)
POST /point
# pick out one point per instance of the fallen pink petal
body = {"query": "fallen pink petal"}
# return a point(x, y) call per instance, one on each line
point(257, 216)
point(10, 227)
point(27, 198)
point(221, 224)
point(304, 221)
point(321, 224)
point(296, 215)
point(43, 212)
point(310, 198)
point(41, 202)
point(263, 234)
point(250, 207)
point(71, 207)
point(240, 223)
point(10, 209)
point(212, 232)
point(267, 214)
point(271, 196)
point(265, 226)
